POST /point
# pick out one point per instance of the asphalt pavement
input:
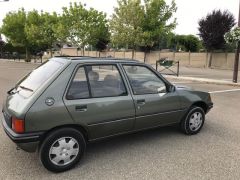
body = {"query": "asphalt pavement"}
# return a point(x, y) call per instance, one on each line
point(162, 153)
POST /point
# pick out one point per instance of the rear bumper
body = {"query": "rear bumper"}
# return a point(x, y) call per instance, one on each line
point(27, 141)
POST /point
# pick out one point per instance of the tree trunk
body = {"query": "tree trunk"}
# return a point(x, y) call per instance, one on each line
point(28, 58)
point(1, 52)
point(133, 50)
point(145, 56)
point(51, 52)
point(210, 60)
point(83, 50)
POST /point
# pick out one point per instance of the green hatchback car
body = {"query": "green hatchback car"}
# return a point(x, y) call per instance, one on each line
point(68, 102)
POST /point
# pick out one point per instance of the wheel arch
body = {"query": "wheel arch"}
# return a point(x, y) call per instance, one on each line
point(78, 127)
point(201, 104)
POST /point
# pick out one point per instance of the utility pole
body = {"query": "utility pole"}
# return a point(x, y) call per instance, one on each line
point(236, 62)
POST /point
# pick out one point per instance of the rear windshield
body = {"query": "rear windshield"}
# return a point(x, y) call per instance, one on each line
point(30, 83)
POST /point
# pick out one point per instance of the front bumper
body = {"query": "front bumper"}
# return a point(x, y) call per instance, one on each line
point(210, 106)
point(27, 141)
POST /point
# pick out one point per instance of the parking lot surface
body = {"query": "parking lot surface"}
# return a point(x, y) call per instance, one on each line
point(162, 153)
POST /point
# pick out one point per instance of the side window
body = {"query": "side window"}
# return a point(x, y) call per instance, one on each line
point(105, 81)
point(143, 80)
point(79, 86)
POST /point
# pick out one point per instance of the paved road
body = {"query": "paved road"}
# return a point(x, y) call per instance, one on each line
point(162, 153)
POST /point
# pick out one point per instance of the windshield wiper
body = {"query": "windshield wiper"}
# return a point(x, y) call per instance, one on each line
point(25, 88)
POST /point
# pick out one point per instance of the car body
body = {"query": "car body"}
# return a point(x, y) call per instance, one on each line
point(99, 98)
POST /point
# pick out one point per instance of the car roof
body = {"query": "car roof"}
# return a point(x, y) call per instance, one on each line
point(96, 59)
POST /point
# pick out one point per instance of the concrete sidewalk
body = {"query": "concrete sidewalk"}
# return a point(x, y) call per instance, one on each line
point(202, 80)
point(205, 75)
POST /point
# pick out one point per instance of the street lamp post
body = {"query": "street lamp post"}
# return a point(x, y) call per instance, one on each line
point(236, 62)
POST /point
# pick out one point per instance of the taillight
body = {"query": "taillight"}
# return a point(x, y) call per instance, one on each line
point(18, 125)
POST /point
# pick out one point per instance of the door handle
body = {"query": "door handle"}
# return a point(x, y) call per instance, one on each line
point(81, 108)
point(141, 102)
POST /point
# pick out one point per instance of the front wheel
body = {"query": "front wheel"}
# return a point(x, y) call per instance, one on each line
point(62, 149)
point(194, 121)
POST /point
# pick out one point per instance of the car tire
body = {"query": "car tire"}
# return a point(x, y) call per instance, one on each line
point(193, 121)
point(62, 149)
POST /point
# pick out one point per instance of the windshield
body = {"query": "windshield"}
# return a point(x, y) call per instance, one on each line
point(30, 83)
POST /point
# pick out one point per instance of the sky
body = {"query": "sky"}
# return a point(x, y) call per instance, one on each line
point(188, 14)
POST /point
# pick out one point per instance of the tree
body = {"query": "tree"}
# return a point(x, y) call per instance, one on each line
point(99, 35)
point(144, 25)
point(83, 27)
point(157, 22)
point(14, 29)
point(212, 29)
point(126, 24)
point(41, 29)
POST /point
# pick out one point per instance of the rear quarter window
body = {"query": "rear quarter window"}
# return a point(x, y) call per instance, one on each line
point(34, 80)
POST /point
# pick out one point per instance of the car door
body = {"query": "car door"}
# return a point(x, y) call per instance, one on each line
point(154, 105)
point(98, 99)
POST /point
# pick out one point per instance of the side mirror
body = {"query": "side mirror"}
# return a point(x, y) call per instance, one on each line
point(171, 88)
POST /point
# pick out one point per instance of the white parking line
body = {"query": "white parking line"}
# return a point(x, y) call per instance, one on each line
point(223, 91)
point(182, 82)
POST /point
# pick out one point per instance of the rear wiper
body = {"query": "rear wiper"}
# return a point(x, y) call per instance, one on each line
point(25, 88)
point(12, 91)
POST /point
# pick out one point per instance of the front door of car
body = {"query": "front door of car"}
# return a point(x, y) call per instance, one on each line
point(154, 105)
point(97, 98)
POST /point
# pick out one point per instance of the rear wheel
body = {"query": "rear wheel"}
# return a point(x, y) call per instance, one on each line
point(194, 121)
point(62, 149)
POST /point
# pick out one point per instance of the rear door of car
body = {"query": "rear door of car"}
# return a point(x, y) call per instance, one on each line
point(155, 106)
point(98, 98)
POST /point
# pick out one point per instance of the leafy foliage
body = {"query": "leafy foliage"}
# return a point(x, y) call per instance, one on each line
point(134, 24)
point(233, 36)
point(14, 29)
point(213, 27)
point(31, 30)
point(126, 23)
point(40, 29)
point(83, 27)
point(186, 43)
point(157, 21)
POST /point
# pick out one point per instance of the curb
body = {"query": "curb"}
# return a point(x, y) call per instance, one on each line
point(204, 80)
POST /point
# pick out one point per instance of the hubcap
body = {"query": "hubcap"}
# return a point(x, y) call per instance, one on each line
point(63, 151)
point(195, 121)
